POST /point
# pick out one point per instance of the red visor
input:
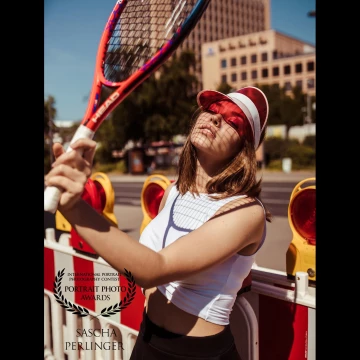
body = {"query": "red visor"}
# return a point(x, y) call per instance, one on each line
point(231, 113)
point(252, 107)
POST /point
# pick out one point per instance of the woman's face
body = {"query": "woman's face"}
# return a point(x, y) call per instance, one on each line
point(213, 136)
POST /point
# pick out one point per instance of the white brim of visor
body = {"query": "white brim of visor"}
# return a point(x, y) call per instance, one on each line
point(251, 112)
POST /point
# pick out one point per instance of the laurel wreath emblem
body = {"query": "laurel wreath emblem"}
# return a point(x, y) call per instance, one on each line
point(107, 311)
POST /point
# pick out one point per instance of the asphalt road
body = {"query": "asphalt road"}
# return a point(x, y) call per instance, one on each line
point(277, 189)
point(276, 196)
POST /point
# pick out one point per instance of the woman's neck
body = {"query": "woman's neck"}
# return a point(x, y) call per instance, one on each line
point(201, 179)
point(204, 173)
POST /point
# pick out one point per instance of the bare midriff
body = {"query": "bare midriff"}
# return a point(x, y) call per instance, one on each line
point(168, 316)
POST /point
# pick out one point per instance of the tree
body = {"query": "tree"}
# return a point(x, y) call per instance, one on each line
point(176, 94)
point(49, 126)
point(225, 88)
point(285, 108)
point(156, 110)
point(49, 114)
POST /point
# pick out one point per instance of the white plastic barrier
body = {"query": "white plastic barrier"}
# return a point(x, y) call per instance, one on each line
point(276, 319)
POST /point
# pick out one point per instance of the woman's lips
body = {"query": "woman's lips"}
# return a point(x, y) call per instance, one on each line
point(208, 131)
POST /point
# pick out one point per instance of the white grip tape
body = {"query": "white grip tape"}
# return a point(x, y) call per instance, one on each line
point(52, 194)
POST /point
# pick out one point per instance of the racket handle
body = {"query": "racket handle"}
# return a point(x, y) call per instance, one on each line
point(51, 198)
point(52, 194)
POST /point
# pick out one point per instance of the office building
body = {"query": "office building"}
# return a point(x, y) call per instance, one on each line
point(225, 19)
point(260, 58)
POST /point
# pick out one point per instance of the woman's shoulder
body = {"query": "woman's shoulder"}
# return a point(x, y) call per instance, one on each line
point(166, 195)
point(244, 205)
point(244, 221)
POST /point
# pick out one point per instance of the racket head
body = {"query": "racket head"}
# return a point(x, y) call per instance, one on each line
point(138, 38)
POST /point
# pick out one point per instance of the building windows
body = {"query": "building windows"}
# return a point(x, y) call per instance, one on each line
point(254, 74)
point(275, 54)
point(287, 86)
point(233, 61)
point(253, 58)
point(223, 63)
point(243, 60)
point(310, 66)
point(299, 84)
point(243, 75)
point(275, 71)
point(233, 77)
point(287, 70)
point(264, 56)
point(310, 83)
point(223, 79)
point(264, 73)
point(298, 68)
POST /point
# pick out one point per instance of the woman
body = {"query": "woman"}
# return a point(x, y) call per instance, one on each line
point(192, 258)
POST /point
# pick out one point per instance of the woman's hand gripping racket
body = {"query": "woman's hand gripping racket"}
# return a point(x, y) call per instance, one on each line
point(138, 38)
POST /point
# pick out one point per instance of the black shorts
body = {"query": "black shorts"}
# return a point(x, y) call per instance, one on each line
point(156, 343)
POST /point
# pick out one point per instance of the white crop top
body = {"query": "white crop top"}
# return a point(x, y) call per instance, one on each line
point(209, 294)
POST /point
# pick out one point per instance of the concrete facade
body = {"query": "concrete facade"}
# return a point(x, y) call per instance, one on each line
point(225, 19)
point(260, 58)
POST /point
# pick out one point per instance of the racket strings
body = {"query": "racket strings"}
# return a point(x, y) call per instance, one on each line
point(142, 29)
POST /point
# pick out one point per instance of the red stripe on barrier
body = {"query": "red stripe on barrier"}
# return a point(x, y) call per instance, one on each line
point(49, 269)
point(84, 298)
point(283, 329)
point(132, 315)
point(301, 325)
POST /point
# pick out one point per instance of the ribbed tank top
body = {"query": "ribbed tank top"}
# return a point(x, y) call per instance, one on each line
point(209, 294)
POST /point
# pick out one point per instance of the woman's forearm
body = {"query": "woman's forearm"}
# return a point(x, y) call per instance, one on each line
point(117, 248)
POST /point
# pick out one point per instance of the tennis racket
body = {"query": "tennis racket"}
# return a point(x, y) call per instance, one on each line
point(139, 36)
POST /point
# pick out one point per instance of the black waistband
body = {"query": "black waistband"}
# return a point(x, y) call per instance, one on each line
point(171, 342)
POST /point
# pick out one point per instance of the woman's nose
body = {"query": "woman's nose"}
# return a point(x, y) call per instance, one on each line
point(216, 119)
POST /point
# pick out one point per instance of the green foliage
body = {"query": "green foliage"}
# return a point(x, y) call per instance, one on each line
point(104, 150)
point(303, 157)
point(310, 141)
point(156, 110)
point(285, 108)
point(275, 165)
point(276, 149)
point(49, 114)
point(49, 127)
point(225, 88)
point(118, 167)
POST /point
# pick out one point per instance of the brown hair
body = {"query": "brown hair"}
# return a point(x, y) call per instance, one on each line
point(238, 177)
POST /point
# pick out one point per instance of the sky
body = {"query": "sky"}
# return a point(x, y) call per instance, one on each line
point(72, 31)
